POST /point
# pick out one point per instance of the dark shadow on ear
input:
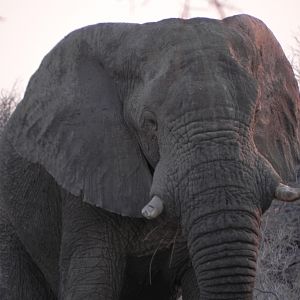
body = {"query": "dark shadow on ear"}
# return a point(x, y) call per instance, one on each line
point(71, 122)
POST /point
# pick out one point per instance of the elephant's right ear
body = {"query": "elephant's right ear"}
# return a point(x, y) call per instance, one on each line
point(71, 122)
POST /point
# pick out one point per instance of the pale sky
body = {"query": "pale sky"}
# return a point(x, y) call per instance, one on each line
point(32, 27)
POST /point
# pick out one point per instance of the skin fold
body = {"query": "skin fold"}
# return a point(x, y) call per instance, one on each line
point(199, 115)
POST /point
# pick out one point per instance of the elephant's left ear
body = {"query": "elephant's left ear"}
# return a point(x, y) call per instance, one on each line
point(71, 122)
point(276, 132)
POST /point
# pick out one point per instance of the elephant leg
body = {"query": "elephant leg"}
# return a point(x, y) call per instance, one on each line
point(20, 278)
point(92, 260)
point(190, 290)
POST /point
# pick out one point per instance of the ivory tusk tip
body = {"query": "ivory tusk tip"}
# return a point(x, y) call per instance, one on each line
point(153, 209)
point(286, 193)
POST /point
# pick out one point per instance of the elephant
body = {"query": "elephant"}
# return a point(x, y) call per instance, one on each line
point(141, 159)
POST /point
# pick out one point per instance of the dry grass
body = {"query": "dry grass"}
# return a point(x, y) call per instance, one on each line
point(8, 102)
point(295, 59)
point(278, 266)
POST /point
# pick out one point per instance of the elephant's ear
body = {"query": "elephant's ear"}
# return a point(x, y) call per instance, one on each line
point(277, 116)
point(71, 122)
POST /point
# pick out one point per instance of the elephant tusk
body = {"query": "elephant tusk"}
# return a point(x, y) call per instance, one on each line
point(287, 193)
point(153, 209)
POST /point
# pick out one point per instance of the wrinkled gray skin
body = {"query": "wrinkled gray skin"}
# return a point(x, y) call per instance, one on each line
point(202, 113)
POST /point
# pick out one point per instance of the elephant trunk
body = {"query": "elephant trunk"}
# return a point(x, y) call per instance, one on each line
point(221, 222)
point(218, 184)
point(223, 247)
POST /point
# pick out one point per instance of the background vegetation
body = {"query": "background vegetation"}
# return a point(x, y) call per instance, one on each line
point(8, 102)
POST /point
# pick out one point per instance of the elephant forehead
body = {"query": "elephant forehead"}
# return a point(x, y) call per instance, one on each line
point(148, 48)
point(200, 81)
point(191, 54)
point(175, 41)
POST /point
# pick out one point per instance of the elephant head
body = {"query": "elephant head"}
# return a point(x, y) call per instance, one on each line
point(199, 115)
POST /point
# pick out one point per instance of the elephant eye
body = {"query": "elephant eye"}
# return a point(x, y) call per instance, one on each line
point(149, 121)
